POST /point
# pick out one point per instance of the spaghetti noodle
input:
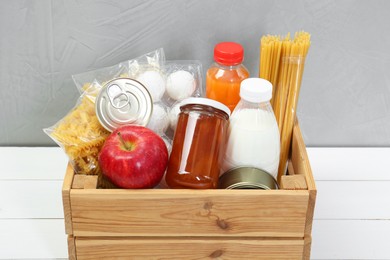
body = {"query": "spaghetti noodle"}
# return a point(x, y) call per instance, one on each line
point(282, 63)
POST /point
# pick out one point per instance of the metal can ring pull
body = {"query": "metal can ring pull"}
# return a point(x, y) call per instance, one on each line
point(116, 94)
point(123, 101)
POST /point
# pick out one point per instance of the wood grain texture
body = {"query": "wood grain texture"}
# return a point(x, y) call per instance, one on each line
point(71, 248)
point(310, 212)
point(91, 182)
point(293, 182)
point(299, 158)
point(188, 249)
point(78, 181)
point(290, 168)
point(307, 247)
point(264, 213)
point(301, 165)
point(82, 181)
point(66, 187)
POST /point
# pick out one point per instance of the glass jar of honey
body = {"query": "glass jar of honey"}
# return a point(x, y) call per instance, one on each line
point(198, 144)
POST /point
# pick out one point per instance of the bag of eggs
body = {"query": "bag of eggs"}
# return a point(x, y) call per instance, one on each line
point(168, 86)
point(174, 81)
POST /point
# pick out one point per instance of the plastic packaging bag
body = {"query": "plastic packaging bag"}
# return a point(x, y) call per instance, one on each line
point(80, 134)
point(130, 69)
point(282, 62)
point(168, 85)
point(184, 80)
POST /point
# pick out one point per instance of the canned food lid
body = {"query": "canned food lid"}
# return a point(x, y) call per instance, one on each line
point(123, 101)
point(247, 178)
point(207, 102)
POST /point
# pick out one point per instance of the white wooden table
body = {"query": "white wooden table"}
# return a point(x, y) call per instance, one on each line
point(352, 216)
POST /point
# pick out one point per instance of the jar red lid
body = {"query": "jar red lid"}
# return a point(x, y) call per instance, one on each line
point(228, 53)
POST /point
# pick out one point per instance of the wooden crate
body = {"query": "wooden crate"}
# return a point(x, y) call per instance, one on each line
point(192, 224)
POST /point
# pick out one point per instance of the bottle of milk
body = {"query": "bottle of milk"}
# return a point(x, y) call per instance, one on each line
point(253, 135)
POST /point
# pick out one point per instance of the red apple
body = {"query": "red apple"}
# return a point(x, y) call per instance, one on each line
point(134, 157)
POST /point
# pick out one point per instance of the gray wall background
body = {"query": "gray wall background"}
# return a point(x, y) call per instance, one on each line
point(345, 94)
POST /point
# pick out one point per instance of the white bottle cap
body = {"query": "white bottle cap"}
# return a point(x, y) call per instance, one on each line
point(256, 90)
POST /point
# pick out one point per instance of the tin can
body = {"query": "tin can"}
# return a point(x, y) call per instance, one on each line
point(123, 101)
point(247, 178)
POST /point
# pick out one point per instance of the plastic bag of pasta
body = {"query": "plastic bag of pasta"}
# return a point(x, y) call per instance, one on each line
point(80, 134)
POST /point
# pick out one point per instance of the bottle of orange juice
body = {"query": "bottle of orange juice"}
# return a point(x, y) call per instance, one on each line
point(225, 75)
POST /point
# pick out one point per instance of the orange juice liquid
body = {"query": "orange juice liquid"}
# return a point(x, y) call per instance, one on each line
point(223, 84)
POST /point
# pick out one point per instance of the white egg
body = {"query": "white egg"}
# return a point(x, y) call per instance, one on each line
point(159, 120)
point(168, 143)
point(173, 115)
point(154, 82)
point(180, 85)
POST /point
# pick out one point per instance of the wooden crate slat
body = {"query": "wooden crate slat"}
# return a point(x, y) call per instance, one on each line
point(299, 158)
point(189, 212)
point(293, 182)
point(66, 187)
point(189, 249)
point(71, 248)
point(307, 247)
point(301, 165)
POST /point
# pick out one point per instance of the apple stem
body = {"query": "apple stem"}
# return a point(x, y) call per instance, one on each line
point(127, 147)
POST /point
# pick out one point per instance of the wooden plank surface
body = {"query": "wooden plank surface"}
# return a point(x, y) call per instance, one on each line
point(81, 181)
point(350, 163)
point(301, 164)
point(32, 163)
point(353, 200)
point(72, 248)
point(310, 212)
point(32, 239)
point(300, 159)
point(172, 213)
point(189, 249)
point(30, 199)
point(66, 187)
point(293, 182)
point(307, 247)
point(351, 239)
